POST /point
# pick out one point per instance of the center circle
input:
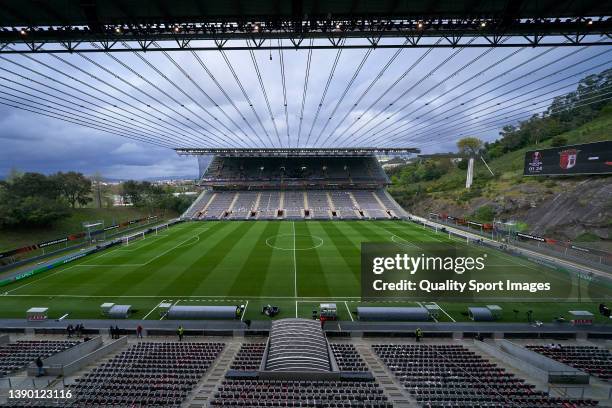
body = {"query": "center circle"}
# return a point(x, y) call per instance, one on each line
point(291, 242)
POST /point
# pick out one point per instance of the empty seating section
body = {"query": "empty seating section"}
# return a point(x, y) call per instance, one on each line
point(249, 357)
point(269, 204)
point(18, 355)
point(244, 204)
point(345, 208)
point(590, 359)
point(299, 393)
point(370, 206)
point(220, 204)
point(274, 169)
point(319, 205)
point(327, 181)
point(453, 376)
point(197, 205)
point(389, 203)
point(146, 374)
point(348, 358)
point(293, 204)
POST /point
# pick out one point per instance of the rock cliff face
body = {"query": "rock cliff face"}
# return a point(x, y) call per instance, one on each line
point(563, 208)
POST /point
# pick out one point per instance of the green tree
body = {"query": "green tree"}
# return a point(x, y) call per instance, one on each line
point(470, 146)
point(74, 187)
point(31, 199)
point(558, 141)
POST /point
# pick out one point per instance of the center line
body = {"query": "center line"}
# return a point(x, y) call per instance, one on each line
point(294, 263)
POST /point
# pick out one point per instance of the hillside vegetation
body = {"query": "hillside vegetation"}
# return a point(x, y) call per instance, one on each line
point(572, 207)
point(16, 237)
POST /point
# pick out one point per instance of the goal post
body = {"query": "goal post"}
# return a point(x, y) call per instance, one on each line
point(161, 228)
point(132, 238)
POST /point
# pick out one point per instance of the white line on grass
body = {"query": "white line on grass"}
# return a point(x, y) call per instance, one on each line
point(244, 311)
point(443, 311)
point(111, 265)
point(175, 303)
point(295, 293)
point(156, 306)
point(420, 304)
point(305, 298)
point(296, 308)
point(173, 248)
point(41, 278)
point(349, 311)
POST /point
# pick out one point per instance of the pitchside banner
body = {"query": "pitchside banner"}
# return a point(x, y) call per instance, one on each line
point(448, 272)
point(590, 158)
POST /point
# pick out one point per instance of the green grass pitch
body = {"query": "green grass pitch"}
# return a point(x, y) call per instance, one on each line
point(295, 265)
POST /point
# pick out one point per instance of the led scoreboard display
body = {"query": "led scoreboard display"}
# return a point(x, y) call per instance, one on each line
point(589, 158)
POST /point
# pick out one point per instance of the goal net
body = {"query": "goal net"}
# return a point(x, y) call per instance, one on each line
point(133, 238)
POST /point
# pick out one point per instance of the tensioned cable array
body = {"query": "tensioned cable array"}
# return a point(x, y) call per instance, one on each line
point(346, 90)
point(304, 92)
point(265, 95)
point(244, 93)
point(282, 69)
point(325, 90)
point(342, 138)
point(202, 64)
point(180, 107)
point(523, 116)
point(400, 123)
point(112, 100)
point(461, 116)
point(413, 86)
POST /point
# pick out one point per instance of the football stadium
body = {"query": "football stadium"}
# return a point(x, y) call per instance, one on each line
point(365, 265)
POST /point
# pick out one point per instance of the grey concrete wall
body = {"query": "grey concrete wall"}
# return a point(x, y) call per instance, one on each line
point(510, 360)
point(5, 338)
point(557, 372)
point(94, 356)
point(53, 364)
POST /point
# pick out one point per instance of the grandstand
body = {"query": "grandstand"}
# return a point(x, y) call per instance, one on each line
point(308, 184)
point(199, 288)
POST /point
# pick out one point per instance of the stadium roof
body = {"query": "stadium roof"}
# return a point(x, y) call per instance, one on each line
point(37, 23)
point(93, 13)
point(296, 152)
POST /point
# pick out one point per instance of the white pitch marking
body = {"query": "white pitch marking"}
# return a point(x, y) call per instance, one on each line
point(111, 265)
point(244, 311)
point(421, 304)
point(156, 306)
point(193, 296)
point(175, 303)
point(294, 268)
point(443, 311)
point(349, 311)
point(34, 281)
point(171, 249)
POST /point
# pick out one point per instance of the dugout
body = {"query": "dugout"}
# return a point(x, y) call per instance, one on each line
point(481, 314)
point(415, 314)
point(119, 311)
point(203, 312)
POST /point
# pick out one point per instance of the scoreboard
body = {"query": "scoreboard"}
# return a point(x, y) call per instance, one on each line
point(589, 158)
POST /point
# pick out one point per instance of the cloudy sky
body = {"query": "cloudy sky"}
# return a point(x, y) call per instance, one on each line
point(426, 98)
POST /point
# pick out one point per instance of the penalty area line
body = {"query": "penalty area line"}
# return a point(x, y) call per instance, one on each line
point(156, 306)
point(244, 311)
point(349, 311)
point(444, 311)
